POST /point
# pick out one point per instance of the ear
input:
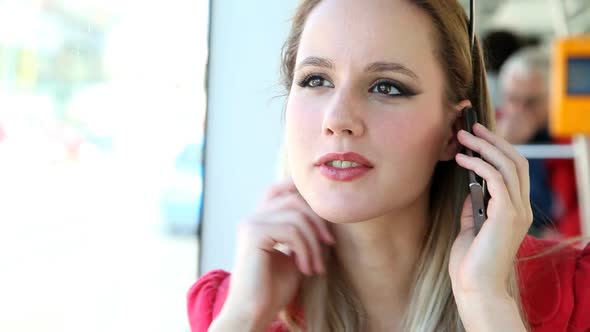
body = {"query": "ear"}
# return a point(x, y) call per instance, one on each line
point(454, 123)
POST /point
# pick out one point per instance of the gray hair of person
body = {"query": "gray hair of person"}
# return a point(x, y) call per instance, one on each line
point(527, 61)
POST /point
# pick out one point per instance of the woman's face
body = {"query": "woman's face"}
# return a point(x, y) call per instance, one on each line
point(366, 81)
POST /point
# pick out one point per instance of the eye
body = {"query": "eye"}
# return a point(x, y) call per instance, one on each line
point(314, 81)
point(390, 88)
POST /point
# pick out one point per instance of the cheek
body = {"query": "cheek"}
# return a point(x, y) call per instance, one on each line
point(303, 128)
point(409, 145)
point(413, 137)
point(300, 115)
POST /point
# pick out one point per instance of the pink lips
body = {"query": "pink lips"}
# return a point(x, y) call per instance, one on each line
point(343, 174)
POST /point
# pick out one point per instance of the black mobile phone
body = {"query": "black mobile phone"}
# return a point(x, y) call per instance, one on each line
point(477, 185)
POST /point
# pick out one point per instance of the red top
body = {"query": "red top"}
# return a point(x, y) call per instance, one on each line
point(562, 177)
point(555, 290)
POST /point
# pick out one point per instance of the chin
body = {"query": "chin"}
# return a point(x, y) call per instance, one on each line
point(343, 209)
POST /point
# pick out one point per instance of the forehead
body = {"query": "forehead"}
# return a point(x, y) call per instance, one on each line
point(359, 32)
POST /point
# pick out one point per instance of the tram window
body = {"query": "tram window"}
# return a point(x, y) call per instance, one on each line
point(578, 82)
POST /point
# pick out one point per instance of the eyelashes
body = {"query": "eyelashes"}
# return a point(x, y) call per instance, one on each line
point(315, 80)
point(391, 88)
point(386, 87)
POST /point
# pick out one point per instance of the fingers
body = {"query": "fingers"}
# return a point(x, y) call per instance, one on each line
point(291, 229)
point(511, 164)
point(280, 189)
point(312, 244)
point(296, 202)
point(267, 234)
point(285, 218)
point(522, 164)
point(497, 158)
point(494, 180)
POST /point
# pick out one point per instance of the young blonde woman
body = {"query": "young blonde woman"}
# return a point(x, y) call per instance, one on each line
point(375, 231)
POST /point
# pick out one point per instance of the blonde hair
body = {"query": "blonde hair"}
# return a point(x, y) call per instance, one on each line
point(328, 302)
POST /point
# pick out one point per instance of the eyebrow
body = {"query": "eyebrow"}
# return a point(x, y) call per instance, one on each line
point(374, 67)
point(316, 62)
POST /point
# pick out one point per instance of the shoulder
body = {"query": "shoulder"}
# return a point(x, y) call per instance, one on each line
point(205, 299)
point(552, 286)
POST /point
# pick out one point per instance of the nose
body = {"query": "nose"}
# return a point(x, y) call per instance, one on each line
point(343, 116)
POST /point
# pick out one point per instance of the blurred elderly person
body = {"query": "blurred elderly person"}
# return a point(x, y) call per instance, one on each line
point(524, 86)
point(523, 119)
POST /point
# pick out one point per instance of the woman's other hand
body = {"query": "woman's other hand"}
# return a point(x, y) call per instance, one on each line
point(265, 280)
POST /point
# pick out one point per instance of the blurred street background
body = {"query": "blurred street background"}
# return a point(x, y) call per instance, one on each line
point(102, 107)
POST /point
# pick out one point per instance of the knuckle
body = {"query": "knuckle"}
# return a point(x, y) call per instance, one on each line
point(285, 201)
point(529, 220)
point(529, 211)
point(512, 167)
point(524, 163)
point(507, 166)
point(293, 201)
point(295, 216)
point(271, 192)
point(529, 215)
point(478, 146)
point(497, 177)
point(292, 230)
point(276, 190)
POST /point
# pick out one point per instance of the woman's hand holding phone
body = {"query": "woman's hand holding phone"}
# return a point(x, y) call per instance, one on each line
point(265, 280)
point(480, 264)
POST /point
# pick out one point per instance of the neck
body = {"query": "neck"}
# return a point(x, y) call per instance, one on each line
point(379, 256)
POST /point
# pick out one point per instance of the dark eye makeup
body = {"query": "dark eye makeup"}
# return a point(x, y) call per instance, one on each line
point(386, 87)
point(391, 88)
